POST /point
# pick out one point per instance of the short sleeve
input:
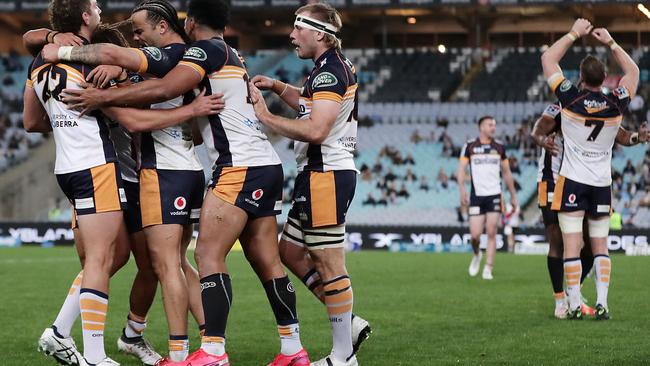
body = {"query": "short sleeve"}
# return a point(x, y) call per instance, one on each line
point(621, 98)
point(502, 153)
point(565, 91)
point(329, 83)
point(464, 152)
point(205, 57)
point(157, 61)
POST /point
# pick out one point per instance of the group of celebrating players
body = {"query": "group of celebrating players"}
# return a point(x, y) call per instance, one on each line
point(577, 134)
point(126, 160)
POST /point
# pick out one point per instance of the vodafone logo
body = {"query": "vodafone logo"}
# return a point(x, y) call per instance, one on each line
point(572, 198)
point(257, 194)
point(180, 203)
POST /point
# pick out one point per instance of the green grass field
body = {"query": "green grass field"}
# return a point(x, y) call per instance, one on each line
point(424, 310)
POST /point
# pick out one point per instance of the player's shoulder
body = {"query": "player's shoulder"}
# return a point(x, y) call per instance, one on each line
point(499, 143)
point(201, 48)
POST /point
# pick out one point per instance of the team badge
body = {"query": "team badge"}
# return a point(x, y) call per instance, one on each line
point(323, 80)
point(180, 203)
point(566, 85)
point(257, 194)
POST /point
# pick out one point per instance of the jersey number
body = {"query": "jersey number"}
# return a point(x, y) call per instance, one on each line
point(55, 76)
point(248, 90)
point(598, 126)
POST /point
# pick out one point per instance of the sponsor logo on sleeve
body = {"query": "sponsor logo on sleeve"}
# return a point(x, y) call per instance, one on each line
point(566, 85)
point(324, 80)
point(552, 110)
point(196, 53)
point(153, 52)
point(621, 93)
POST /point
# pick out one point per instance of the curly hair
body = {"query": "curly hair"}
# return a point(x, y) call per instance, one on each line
point(108, 33)
point(66, 15)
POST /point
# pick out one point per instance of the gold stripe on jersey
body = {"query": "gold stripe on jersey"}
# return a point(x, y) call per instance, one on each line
point(233, 68)
point(36, 71)
point(72, 72)
point(144, 63)
point(574, 117)
point(196, 67)
point(322, 189)
point(558, 193)
point(150, 205)
point(327, 96)
point(464, 158)
point(107, 197)
point(29, 83)
point(556, 82)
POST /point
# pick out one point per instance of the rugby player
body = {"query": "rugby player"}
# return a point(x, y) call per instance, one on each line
point(245, 192)
point(172, 176)
point(590, 123)
point(546, 134)
point(326, 135)
point(488, 162)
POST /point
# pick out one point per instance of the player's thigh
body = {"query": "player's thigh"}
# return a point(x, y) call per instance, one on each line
point(491, 222)
point(259, 239)
point(476, 225)
point(219, 227)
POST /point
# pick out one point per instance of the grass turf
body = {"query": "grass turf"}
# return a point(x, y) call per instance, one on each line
point(424, 309)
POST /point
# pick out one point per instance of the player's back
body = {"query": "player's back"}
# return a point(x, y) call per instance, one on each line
point(234, 137)
point(590, 123)
point(82, 142)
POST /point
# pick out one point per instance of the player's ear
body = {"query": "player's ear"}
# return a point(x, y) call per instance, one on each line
point(163, 26)
point(86, 18)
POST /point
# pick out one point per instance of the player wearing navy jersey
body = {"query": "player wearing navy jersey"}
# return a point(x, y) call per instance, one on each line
point(590, 124)
point(325, 135)
point(487, 160)
point(547, 134)
point(172, 179)
point(245, 192)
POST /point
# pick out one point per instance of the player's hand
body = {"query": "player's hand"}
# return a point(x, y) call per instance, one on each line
point(102, 75)
point(602, 35)
point(204, 105)
point(85, 100)
point(582, 27)
point(644, 133)
point(514, 203)
point(464, 199)
point(259, 104)
point(50, 53)
point(67, 39)
point(263, 82)
point(549, 144)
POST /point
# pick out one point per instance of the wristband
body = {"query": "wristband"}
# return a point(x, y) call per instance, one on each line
point(573, 36)
point(613, 45)
point(47, 37)
point(65, 53)
point(286, 86)
point(634, 138)
point(123, 80)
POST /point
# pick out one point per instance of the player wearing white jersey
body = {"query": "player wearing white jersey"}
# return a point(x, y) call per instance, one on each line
point(590, 124)
point(487, 160)
point(313, 238)
point(547, 134)
point(246, 188)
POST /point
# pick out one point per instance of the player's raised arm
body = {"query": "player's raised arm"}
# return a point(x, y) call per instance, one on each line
point(629, 138)
point(552, 56)
point(35, 39)
point(139, 120)
point(97, 54)
point(630, 79)
point(313, 129)
point(289, 93)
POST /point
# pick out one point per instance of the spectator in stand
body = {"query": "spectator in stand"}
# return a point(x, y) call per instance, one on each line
point(416, 138)
point(370, 200)
point(366, 174)
point(442, 181)
point(424, 183)
point(390, 176)
point(383, 200)
point(410, 176)
point(409, 160)
point(636, 107)
point(629, 168)
point(378, 167)
point(514, 165)
point(403, 192)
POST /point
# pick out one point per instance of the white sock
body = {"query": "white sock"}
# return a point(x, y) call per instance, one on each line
point(94, 306)
point(339, 301)
point(213, 345)
point(289, 339)
point(69, 311)
point(603, 266)
point(572, 273)
point(179, 348)
point(134, 328)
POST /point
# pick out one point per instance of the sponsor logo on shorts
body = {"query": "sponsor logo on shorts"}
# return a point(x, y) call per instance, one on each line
point(290, 287)
point(195, 213)
point(251, 202)
point(122, 195)
point(474, 210)
point(84, 203)
point(206, 285)
point(602, 208)
point(180, 203)
point(257, 194)
point(277, 206)
point(572, 200)
point(301, 199)
point(496, 200)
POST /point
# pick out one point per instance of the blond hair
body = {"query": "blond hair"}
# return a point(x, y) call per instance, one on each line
point(325, 13)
